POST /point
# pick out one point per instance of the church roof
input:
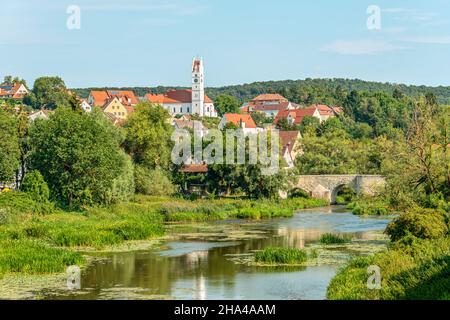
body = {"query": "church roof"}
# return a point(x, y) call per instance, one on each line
point(174, 96)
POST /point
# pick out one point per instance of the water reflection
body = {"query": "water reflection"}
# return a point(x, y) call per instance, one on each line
point(201, 270)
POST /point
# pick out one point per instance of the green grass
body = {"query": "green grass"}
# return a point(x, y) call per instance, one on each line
point(329, 238)
point(417, 271)
point(35, 257)
point(281, 256)
point(368, 207)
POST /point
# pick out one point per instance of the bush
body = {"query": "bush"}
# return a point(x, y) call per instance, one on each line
point(329, 238)
point(420, 223)
point(35, 186)
point(123, 186)
point(281, 255)
point(418, 271)
point(152, 182)
point(368, 207)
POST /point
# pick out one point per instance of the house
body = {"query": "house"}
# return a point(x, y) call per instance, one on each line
point(85, 105)
point(194, 179)
point(295, 117)
point(269, 104)
point(41, 114)
point(188, 101)
point(13, 91)
point(242, 121)
point(290, 146)
point(115, 107)
point(99, 98)
point(326, 112)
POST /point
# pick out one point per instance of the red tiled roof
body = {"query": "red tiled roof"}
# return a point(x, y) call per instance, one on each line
point(174, 96)
point(100, 97)
point(326, 110)
point(269, 97)
point(297, 114)
point(236, 119)
point(124, 94)
point(287, 139)
point(267, 107)
point(195, 168)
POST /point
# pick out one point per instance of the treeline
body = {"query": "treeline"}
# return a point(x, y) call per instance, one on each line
point(302, 91)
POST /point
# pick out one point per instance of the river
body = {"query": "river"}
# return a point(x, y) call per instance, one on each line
point(198, 263)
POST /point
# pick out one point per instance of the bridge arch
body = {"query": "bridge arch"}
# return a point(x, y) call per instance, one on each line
point(328, 186)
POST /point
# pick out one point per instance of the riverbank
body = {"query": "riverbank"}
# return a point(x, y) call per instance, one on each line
point(40, 238)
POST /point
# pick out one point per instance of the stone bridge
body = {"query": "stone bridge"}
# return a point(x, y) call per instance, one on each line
point(328, 186)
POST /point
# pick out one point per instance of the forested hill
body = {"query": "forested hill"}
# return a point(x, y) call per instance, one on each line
point(296, 90)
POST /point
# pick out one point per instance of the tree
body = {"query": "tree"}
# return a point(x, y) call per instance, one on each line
point(148, 136)
point(78, 155)
point(226, 104)
point(9, 145)
point(309, 125)
point(49, 93)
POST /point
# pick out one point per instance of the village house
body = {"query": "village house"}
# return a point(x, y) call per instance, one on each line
point(115, 107)
point(43, 114)
point(241, 121)
point(269, 104)
point(13, 91)
point(326, 112)
point(295, 117)
point(85, 105)
point(290, 146)
point(100, 98)
point(188, 101)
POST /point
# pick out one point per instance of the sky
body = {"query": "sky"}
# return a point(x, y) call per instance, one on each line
point(152, 42)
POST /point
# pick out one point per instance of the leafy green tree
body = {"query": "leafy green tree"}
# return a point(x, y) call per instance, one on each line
point(9, 145)
point(309, 125)
point(78, 155)
point(148, 136)
point(226, 104)
point(49, 93)
point(35, 185)
point(153, 182)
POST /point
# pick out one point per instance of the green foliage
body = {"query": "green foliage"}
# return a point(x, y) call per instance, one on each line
point(417, 271)
point(148, 136)
point(369, 207)
point(35, 257)
point(226, 104)
point(281, 256)
point(329, 238)
point(420, 223)
point(15, 205)
point(35, 186)
point(152, 182)
point(123, 186)
point(78, 155)
point(48, 93)
point(9, 145)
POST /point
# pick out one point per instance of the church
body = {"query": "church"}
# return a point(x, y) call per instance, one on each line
point(188, 101)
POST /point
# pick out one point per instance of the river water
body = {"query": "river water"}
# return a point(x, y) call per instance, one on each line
point(198, 264)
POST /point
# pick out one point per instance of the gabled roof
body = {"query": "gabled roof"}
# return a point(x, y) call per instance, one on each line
point(297, 114)
point(269, 97)
point(325, 110)
point(237, 119)
point(127, 94)
point(174, 96)
point(270, 107)
point(99, 97)
point(288, 139)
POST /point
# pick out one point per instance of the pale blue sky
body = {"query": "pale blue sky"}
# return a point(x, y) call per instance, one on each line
point(152, 42)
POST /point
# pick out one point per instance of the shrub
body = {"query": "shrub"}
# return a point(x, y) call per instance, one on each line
point(152, 182)
point(420, 223)
point(35, 186)
point(329, 238)
point(281, 255)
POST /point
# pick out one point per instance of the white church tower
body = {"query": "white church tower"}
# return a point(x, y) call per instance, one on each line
point(198, 87)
